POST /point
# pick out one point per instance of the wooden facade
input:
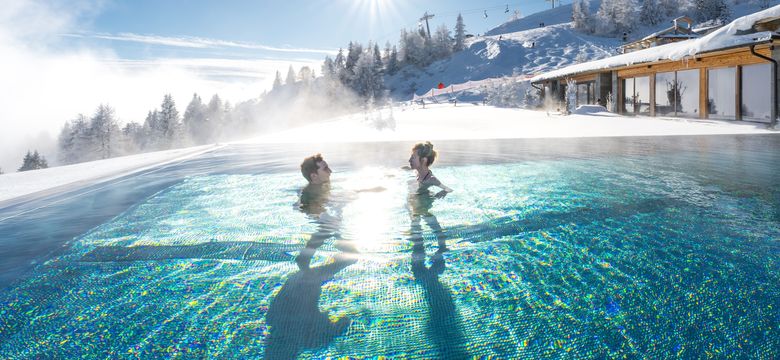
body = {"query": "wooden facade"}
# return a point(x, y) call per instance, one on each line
point(619, 81)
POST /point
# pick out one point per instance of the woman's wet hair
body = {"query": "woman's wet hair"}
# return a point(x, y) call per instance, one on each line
point(425, 151)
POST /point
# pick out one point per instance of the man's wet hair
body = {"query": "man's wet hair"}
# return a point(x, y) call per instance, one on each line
point(309, 166)
point(425, 150)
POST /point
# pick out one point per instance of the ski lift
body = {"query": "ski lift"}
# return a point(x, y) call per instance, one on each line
point(485, 14)
point(506, 11)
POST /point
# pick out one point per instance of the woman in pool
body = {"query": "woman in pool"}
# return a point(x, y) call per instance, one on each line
point(422, 158)
point(420, 198)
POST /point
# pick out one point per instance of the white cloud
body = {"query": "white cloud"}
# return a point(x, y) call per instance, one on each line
point(43, 86)
point(198, 43)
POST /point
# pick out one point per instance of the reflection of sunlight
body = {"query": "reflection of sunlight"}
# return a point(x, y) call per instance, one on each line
point(370, 219)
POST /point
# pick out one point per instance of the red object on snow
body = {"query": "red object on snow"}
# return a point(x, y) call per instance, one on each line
point(441, 86)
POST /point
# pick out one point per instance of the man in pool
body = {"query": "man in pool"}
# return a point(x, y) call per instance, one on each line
point(314, 202)
point(294, 317)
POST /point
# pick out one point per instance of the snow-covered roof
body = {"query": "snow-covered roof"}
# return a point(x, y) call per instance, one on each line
point(723, 38)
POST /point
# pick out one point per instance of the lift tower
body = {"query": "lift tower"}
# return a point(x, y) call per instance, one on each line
point(425, 18)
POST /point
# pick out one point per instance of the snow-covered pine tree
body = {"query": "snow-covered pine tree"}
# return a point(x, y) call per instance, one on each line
point(649, 14)
point(328, 69)
point(152, 131)
point(460, 35)
point(368, 79)
point(354, 50)
point(378, 65)
point(290, 79)
point(413, 49)
point(616, 16)
point(216, 115)
point(668, 8)
point(571, 96)
point(169, 123)
point(712, 10)
point(392, 62)
point(132, 138)
point(339, 64)
point(442, 43)
point(195, 121)
point(33, 161)
point(277, 81)
point(606, 23)
point(581, 15)
point(105, 129)
point(305, 76)
point(65, 143)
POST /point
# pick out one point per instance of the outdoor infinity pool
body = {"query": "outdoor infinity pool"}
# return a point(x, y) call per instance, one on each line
point(650, 248)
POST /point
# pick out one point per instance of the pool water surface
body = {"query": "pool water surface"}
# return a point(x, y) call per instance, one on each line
point(599, 248)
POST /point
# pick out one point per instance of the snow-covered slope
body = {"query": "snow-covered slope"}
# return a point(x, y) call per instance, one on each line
point(559, 15)
point(522, 47)
point(526, 52)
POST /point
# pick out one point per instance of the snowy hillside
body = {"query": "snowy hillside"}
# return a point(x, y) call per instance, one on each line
point(525, 52)
point(559, 15)
point(523, 47)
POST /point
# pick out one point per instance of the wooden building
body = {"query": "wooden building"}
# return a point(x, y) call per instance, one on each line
point(729, 74)
point(681, 30)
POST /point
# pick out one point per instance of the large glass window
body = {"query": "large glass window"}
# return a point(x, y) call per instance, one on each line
point(688, 88)
point(628, 96)
point(642, 95)
point(757, 92)
point(636, 96)
point(582, 94)
point(664, 94)
point(722, 93)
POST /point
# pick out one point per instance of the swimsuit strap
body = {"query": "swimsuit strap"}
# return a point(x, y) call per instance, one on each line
point(426, 176)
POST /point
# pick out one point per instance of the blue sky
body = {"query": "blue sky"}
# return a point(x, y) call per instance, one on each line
point(295, 24)
point(62, 58)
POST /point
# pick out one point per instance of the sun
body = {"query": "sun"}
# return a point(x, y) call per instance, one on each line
point(378, 14)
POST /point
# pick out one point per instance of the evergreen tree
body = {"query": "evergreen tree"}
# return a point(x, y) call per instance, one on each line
point(75, 142)
point(277, 81)
point(392, 62)
point(668, 8)
point(339, 66)
point(215, 113)
point(581, 15)
point(442, 43)
point(290, 80)
point(649, 14)
point(328, 68)
point(368, 79)
point(712, 10)
point(152, 131)
point(305, 75)
point(460, 34)
point(354, 50)
point(33, 161)
point(132, 138)
point(377, 58)
point(413, 49)
point(386, 54)
point(104, 130)
point(169, 122)
point(616, 16)
point(195, 121)
point(65, 142)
